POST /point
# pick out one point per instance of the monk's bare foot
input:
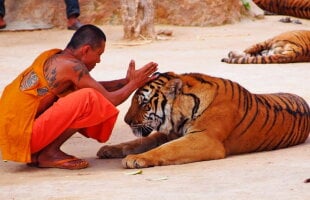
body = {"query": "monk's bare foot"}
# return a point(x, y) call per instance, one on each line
point(60, 160)
point(34, 160)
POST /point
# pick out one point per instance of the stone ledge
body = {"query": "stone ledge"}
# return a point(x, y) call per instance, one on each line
point(177, 12)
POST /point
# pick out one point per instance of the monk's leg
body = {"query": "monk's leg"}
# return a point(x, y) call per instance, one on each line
point(84, 108)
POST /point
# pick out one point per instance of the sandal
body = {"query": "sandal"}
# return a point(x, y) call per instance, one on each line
point(69, 163)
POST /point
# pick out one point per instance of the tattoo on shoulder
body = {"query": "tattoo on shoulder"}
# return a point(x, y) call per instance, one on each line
point(51, 78)
point(51, 72)
point(81, 70)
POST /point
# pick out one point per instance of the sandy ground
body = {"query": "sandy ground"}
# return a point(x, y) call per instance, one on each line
point(268, 175)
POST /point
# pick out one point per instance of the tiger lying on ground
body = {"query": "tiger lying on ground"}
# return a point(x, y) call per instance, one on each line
point(296, 8)
point(288, 47)
point(196, 117)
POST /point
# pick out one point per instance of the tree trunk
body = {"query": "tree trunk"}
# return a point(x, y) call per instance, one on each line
point(138, 19)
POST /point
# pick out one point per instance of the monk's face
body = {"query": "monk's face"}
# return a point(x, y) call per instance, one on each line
point(92, 56)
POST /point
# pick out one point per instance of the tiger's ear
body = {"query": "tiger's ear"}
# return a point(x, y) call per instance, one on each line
point(173, 88)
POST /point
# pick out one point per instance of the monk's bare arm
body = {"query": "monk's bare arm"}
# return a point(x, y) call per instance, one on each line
point(118, 84)
point(114, 85)
point(63, 75)
point(80, 77)
point(116, 97)
point(110, 86)
point(45, 103)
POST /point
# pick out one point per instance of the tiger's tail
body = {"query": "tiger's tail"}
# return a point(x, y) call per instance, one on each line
point(269, 59)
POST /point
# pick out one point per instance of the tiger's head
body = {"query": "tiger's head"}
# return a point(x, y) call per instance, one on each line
point(151, 105)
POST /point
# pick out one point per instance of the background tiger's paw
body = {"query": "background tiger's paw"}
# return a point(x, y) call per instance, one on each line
point(135, 161)
point(110, 151)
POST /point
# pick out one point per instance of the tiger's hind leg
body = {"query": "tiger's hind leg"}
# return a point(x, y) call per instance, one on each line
point(190, 148)
point(287, 52)
point(133, 147)
point(258, 49)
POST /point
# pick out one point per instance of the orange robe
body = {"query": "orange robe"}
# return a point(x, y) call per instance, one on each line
point(18, 107)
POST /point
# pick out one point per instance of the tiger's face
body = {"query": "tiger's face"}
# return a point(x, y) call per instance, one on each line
point(150, 108)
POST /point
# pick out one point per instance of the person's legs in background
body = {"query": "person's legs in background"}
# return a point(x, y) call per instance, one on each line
point(73, 12)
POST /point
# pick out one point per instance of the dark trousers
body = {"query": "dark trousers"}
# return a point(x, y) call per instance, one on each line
point(2, 8)
point(72, 8)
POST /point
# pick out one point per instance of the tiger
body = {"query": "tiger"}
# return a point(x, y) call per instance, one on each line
point(287, 47)
point(191, 117)
point(296, 8)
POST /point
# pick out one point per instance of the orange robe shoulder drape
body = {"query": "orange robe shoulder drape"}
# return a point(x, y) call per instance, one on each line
point(18, 108)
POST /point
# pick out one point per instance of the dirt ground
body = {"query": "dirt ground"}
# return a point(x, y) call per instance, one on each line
point(267, 175)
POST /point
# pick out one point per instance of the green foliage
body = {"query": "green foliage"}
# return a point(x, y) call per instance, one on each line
point(246, 4)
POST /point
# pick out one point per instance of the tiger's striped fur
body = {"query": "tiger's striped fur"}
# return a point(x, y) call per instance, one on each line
point(288, 47)
point(296, 8)
point(200, 117)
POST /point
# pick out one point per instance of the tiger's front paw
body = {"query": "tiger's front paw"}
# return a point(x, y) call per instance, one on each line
point(110, 151)
point(136, 161)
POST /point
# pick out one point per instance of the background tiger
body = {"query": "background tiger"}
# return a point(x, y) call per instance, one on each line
point(296, 8)
point(288, 47)
point(200, 117)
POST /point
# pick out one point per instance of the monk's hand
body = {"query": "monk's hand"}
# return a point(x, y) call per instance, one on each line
point(142, 75)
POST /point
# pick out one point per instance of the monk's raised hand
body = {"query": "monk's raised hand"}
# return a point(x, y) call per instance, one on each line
point(146, 71)
point(142, 75)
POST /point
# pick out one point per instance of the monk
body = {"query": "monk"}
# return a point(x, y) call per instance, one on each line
point(56, 97)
